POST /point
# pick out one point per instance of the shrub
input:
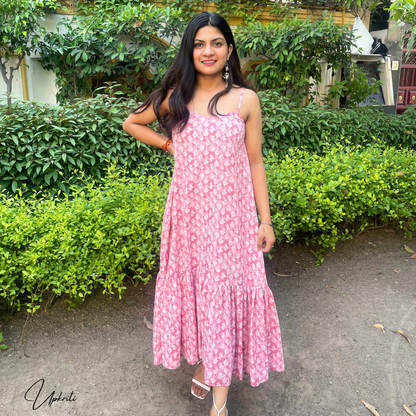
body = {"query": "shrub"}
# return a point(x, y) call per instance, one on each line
point(71, 246)
point(42, 146)
point(289, 52)
point(329, 197)
point(107, 43)
point(286, 125)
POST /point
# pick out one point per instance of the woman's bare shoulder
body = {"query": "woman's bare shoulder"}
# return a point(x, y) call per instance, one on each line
point(250, 96)
point(250, 104)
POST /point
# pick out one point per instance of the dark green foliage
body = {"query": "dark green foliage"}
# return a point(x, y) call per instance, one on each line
point(286, 124)
point(134, 43)
point(291, 51)
point(119, 42)
point(41, 146)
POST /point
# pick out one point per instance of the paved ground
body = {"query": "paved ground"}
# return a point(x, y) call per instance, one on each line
point(102, 351)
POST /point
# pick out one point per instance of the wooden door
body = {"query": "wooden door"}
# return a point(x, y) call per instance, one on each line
point(407, 86)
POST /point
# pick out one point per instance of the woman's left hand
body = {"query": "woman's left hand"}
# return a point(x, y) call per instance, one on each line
point(266, 238)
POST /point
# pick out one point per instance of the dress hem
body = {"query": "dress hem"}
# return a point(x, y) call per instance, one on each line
point(234, 375)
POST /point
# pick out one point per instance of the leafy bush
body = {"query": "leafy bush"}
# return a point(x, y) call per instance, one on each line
point(286, 125)
point(60, 246)
point(247, 10)
point(120, 42)
point(134, 44)
point(71, 246)
point(290, 51)
point(43, 145)
point(329, 197)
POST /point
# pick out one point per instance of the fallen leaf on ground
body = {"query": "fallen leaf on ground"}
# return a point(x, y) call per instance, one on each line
point(281, 275)
point(408, 249)
point(371, 408)
point(401, 333)
point(379, 326)
point(389, 230)
point(148, 323)
point(397, 271)
point(408, 410)
point(413, 257)
point(399, 173)
point(329, 286)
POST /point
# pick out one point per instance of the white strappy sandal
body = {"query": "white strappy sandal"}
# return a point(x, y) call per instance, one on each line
point(204, 386)
point(216, 408)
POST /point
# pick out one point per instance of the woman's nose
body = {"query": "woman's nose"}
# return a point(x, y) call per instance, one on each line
point(208, 50)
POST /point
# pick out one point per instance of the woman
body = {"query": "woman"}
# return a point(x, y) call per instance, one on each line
point(212, 301)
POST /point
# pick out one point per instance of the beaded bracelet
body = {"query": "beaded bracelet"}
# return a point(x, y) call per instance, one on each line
point(166, 144)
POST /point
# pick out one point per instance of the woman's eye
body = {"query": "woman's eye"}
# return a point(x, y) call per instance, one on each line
point(197, 45)
point(218, 44)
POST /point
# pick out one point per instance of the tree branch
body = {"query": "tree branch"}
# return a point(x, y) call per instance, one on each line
point(3, 69)
point(19, 61)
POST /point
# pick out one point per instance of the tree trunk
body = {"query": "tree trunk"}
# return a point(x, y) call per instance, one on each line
point(8, 80)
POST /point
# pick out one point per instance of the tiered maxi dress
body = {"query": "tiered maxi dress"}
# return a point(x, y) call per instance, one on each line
point(212, 300)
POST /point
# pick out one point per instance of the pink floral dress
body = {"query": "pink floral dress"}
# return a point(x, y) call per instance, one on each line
point(212, 300)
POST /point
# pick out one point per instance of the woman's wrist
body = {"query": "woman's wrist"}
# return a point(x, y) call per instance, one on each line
point(265, 218)
point(166, 144)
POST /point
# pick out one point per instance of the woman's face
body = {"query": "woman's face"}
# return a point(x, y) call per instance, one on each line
point(210, 51)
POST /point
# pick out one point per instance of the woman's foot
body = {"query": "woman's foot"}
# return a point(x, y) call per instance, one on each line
point(200, 376)
point(219, 397)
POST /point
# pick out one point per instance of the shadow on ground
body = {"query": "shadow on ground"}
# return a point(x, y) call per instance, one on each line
point(334, 357)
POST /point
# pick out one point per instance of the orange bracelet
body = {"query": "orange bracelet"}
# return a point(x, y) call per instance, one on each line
point(166, 144)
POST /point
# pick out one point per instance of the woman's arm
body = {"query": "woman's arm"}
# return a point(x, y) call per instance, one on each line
point(251, 102)
point(137, 126)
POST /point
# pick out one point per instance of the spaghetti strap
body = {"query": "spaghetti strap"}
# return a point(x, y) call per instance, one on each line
point(241, 99)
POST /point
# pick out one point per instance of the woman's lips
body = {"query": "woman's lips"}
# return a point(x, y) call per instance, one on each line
point(209, 63)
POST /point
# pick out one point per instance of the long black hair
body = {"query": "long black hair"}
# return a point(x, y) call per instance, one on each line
point(181, 76)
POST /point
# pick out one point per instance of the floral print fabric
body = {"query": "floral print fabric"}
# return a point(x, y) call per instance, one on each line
point(212, 300)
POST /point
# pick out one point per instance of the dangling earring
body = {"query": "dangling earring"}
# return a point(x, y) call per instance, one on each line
point(226, 75)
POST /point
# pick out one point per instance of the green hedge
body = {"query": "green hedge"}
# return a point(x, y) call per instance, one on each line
point(286, 124)
point(70, 246)
point(42, 146)
point(330, 197)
